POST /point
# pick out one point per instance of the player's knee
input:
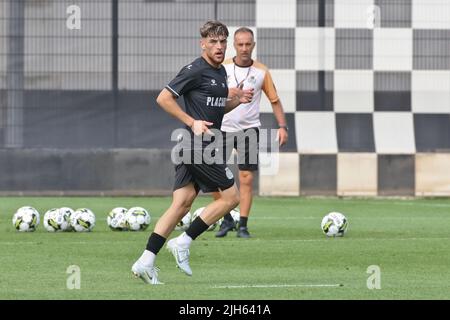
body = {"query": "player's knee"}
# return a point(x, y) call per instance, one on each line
point(183, 205)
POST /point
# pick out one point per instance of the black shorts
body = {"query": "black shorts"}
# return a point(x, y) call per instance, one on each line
point(205, 177)
point(246, 143)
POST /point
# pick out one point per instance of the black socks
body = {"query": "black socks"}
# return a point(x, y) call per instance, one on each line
point(197, 227)
point(243, 222)
point(155, 243)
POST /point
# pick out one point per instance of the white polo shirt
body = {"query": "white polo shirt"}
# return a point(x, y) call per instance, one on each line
point(256, 76)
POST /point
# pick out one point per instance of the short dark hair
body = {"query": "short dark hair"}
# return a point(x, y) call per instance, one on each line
point(244, 30)
point(214, 28)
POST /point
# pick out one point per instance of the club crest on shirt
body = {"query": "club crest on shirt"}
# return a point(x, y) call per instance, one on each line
point(229, 173)
point(213, 82)
point(252, 80)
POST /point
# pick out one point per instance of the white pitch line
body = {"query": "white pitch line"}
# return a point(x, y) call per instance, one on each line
point(278, 286)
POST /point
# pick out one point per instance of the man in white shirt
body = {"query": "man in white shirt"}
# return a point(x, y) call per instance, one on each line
point(242, 70)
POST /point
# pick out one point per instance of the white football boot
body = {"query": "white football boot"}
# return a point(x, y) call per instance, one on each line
point(147, 274)
point(181, 256)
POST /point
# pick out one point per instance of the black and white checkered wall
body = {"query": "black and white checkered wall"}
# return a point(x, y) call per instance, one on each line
point(365, 85)
point(366, 88)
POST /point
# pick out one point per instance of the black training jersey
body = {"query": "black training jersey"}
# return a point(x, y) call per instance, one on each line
point(204, 89)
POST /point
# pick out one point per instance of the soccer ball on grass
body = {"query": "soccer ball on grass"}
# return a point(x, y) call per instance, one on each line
point(67, 212)
point(82, 220)
point(116, 219)
point(137, 219)
point(26, 219)
point(56, 220)
point(334, 224)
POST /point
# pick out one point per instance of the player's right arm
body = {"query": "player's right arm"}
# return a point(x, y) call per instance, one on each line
point(187, 79)
point(167, 102)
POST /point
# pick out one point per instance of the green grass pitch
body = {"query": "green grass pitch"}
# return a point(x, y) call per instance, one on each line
point(287, 258)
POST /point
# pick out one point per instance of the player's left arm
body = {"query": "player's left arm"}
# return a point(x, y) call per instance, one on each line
point(278, 112)
point(271, 93)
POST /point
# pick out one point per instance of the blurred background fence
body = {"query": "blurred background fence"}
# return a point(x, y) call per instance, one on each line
point(365, 85)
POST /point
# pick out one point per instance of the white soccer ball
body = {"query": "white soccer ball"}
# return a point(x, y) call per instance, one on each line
point(184, 223)
point(116, 219)
point(137, 219)
point(26, 219)
point(334, 224)
point(67, 212)
point(82, 220)
point(56, 220)
point(236, 215)
point(198, 212)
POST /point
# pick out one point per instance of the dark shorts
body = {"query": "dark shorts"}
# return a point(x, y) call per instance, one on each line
point(205, 177)
point(246, 143)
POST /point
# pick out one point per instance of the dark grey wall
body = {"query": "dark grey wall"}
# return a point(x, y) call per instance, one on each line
point(121, 171)
point(89, 119)
point(89, 171)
